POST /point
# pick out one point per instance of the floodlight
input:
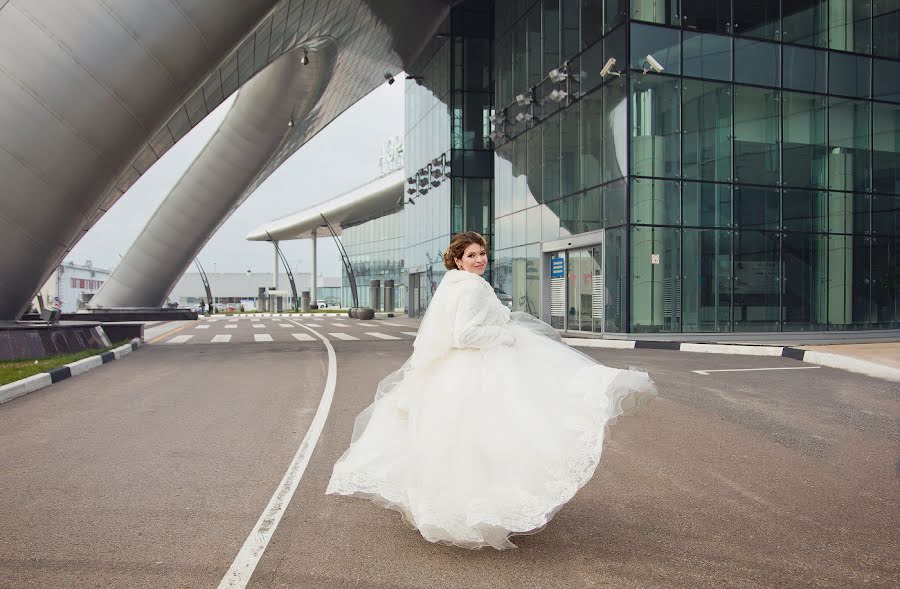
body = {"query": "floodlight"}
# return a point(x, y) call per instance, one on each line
point(524, 99)
point(305, 59)
point(558, 75)
point(558, 95)
point(524, 116)
point(607, 69)
point(410, 190)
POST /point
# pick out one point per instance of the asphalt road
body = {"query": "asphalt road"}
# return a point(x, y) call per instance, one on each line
point(151, 471)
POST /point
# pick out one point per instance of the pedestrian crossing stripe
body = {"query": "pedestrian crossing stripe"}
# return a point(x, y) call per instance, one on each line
point(381, 335)
point(179, 339)
point(343, 336)
point(262, 337)
point(412, 333)
point(221, 339)
point(231, 327)
point(303, 337)
point(203, 327)
point(258, 326)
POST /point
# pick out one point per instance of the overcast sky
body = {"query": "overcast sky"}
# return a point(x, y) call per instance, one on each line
point(342, 156)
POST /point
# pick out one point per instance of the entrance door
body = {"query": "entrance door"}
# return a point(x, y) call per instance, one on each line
point(577, 294)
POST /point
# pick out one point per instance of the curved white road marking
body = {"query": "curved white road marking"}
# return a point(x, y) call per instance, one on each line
point(245, 562)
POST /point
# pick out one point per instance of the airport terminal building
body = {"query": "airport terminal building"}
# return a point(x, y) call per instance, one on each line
point(658, 167)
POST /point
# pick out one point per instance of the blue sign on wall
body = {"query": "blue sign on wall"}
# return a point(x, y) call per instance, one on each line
point(557, 267)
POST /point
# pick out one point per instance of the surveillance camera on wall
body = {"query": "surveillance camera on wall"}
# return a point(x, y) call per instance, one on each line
point(657, 67)
point(389, 78)
point(607, 69)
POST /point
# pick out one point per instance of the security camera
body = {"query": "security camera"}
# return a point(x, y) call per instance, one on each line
point(607, 69)
point(389, 78)
point(305, 59)
point(657, 67)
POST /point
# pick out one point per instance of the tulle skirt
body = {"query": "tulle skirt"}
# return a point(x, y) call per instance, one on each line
point(478, 445)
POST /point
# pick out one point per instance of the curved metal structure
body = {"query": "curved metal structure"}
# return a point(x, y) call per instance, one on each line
point(93, 92)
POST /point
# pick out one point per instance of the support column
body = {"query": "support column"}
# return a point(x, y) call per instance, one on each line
point(312, 288)
point(275, 264)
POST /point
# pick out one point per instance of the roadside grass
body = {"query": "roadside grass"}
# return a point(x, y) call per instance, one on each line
point(13, 370)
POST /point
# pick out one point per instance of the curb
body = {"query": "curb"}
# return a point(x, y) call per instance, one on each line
point(809, 356)
point(13, 390)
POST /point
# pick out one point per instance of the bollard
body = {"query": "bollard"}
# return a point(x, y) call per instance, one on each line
point(375, 294)
point(304, 301)
point(389, 296)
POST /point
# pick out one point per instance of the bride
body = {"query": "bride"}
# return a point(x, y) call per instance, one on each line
point(491, 425)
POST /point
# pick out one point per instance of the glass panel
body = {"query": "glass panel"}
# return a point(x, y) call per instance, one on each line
point(849, 281)
point(655, 118)
point(761, 19)
point(886, 215)
point(534, 195)
point(664, 12)
point(615, 267)
point(614, 203)
point(707, 131)
point(805, 22)
point(533, 224)
point(757, 281)
point(597, 287)
point(886, 29)
point(571, 29)
point(533, 280)
point(756, 135)
point(615, 144)
point(573, 290)
point(848, 75)
point(591, 21)
point(550, 221)
point(503, 178)
point(849, 25)
point(805, 151)
point(592, 130)
point(757, 62)
point(615, 44)
point(804, 68)
point(518, 228)
point(885, 277)
point(655, 202)
point(707, 15)
point(886, 154)
point(805, 210)
point(550, 35)
point(615, 13)
point(655, 279)
point(706, 204)
point(591, 210)
point(848, 134)
point(662, 43)
point(519, 57)
point(707, 56)
point(569, 157)
point(519, 292)
point(534, 56)
point(886, 80)
point(756, 207)
point(805, 281)
point(520, 177)
point(503, 237)
point(551, 158)
point(848, 213)
point(591, 63)
point(706, 289)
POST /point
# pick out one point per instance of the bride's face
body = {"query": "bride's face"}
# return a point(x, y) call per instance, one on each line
point(474, 260)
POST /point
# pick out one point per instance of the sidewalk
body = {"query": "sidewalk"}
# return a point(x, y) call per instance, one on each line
point(883, 353)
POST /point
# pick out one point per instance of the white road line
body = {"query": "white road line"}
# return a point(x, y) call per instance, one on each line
point(231, 327)
point(303, 337)
point(412, 333)
point(343, 336)
point(285, 325)
point(381, 335)
point(203, 327)
point(262, 337)
point(245, 562)
point(706, 372)
point(179, 339)
point(258, 325)
point(339, 324)
point(221, 339)
point(232, 320)
point(391, 324)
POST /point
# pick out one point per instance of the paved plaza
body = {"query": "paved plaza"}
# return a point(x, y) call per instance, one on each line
point(154, 470)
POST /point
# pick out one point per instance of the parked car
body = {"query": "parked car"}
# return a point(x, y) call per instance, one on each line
point(320, 304)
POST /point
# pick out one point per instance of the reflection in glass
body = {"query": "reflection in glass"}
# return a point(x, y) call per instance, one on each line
point(805, 22)
point(757, 62)
point(848, 134)
point(849, 25)
point(664, 12)
point(569, 156)
point(848, 75)
point(592, 132)
point(615, 268)
point(804, 68)
point(756, 207)
point(706, 205)
point(551, 159)
point(615, 144)
point(761, 19)
point(886, 80)
point(655, 202)
point(805, 151)
point(706, 288)
point(655, 118)
point(886, 29)
point(756, 135)
point(757, 281)
point(886, 142)
point(804, 210)
point(707, 56)
point(707, 131)
point(655, 279)
point(663, 44)
point(805, 279)
point(707, 15)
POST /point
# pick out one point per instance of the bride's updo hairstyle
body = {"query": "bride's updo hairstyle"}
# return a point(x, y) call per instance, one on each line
point(458, 246)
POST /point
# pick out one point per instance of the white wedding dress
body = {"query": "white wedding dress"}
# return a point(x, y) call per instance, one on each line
point(491, 425)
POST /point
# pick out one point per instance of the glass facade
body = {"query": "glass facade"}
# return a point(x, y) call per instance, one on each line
point(376, 250)
point(449, 155)
point(738, 168)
